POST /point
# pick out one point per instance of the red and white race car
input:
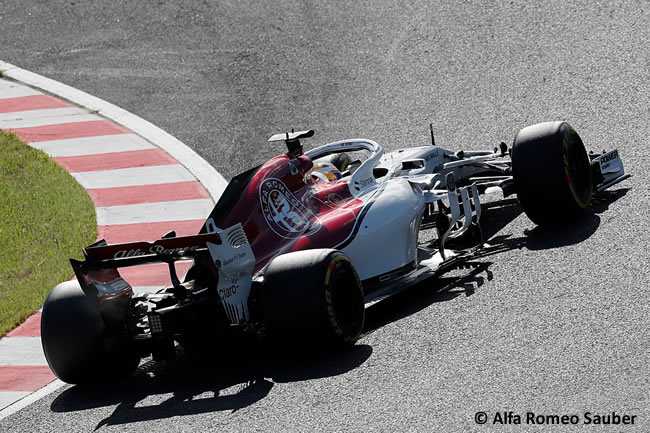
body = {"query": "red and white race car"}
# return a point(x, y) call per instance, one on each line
point(299, 246)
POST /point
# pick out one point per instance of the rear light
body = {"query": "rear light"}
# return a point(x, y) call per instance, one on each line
point(155, 323)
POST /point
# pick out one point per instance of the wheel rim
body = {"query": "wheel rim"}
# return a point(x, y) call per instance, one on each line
point(346, 299)
point(577, 169)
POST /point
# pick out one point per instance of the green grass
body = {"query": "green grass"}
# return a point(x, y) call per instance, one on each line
point(45, 218)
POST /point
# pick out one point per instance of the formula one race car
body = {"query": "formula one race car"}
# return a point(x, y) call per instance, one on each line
point(298, 247)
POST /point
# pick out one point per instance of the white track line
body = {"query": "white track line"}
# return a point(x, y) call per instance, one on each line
point(133, 176)
point(93, 145)
point(21, 351)
point(31, 398)
point(211, 179)
point(8, 397)
point(50, 116)
point(9, 89)
point(154, 212)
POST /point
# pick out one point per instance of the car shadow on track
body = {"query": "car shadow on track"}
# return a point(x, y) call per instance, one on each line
point(196, 383)
point(541, 238)
point(232, 380)
point(462, 281)
point(469, 277)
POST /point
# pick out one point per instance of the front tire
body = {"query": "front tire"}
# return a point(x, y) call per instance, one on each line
point(552, 173)
point(314, 294)
point(73, 338)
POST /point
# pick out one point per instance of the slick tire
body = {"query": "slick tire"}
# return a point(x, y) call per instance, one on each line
point(551, 172)
point(313, 295)
point(73, 338)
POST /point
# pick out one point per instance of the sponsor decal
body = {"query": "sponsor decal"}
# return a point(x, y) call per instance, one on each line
point(234, 258)
point(293, 168)
point(358, 184)
point(284, 213)
point(154, 249)
point(610, 162)
point(228, 291)
point(366, 181)
point(233, 293)
point(609, 157)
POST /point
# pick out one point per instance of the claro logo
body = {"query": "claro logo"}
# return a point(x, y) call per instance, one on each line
point(229, 291)
point(284, 213)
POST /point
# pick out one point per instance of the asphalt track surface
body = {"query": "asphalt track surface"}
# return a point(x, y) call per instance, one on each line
point(547, 321)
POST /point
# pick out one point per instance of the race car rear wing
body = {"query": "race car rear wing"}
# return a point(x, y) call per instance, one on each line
point(98, 274)
point(229, 251)
point(164, 249)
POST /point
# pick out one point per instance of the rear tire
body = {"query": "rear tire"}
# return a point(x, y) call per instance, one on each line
point(73, 338)
point(552, 173)
point(313, 294)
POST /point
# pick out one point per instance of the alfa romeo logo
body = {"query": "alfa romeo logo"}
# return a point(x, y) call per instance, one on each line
point(284, 213)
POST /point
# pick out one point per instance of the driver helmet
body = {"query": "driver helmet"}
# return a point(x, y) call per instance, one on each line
point(326, 171)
